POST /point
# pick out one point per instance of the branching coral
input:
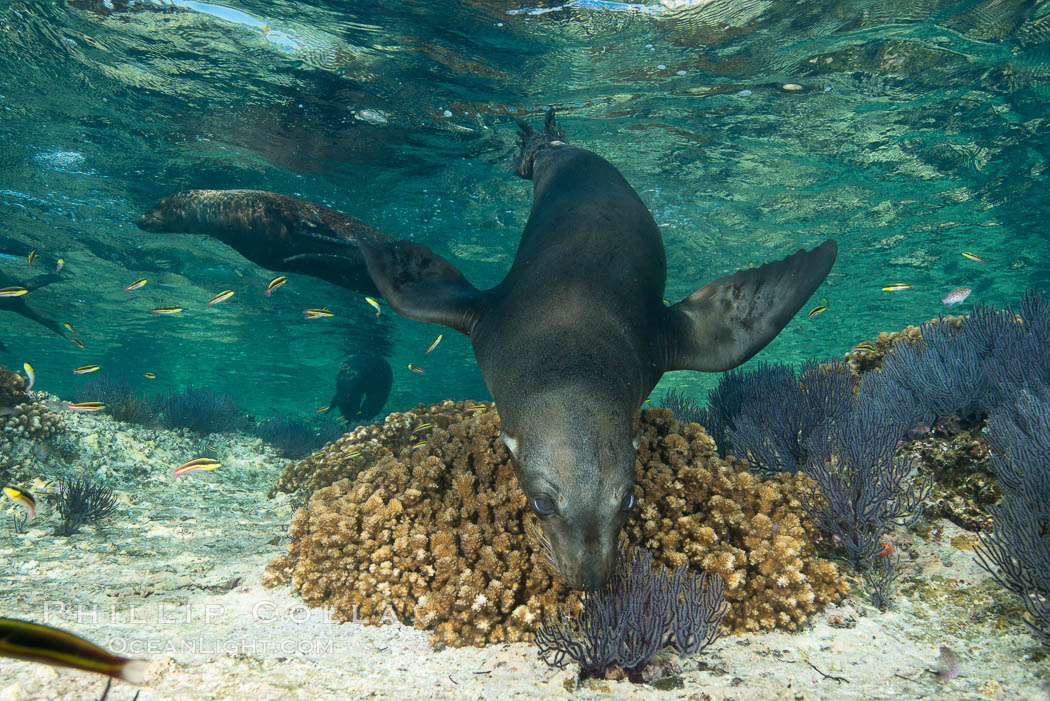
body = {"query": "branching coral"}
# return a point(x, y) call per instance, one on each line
point(438, 531)
point(366, 444)
point(723, 520)
point(24, 423)
point(12, 388)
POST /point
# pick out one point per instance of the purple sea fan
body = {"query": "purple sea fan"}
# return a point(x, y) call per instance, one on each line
point(638, 612)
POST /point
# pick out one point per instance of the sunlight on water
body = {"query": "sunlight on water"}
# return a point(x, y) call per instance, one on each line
point(911, 132)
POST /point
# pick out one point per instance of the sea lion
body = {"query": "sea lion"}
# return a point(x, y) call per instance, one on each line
point(279, 233)
point(18, 304)
point(362, 386)
point(576, 336)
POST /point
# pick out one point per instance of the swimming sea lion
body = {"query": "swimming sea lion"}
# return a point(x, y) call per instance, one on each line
point(279, 233)
point(576, 336)
point(362, 386)
point(18, 304)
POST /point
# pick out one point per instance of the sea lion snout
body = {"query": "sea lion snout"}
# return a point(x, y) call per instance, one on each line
point(581, 495)
point(583, 545)
point(152, 221)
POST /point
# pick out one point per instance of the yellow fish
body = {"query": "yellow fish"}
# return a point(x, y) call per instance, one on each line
point(77, 342)
point(31, 374)
point(23, 640)
point(70, 327)
point(321, 410)
point(141, 282)
point(413, 368)
point(198, 464)
point(59, 265)
point(31, 257)
point(419, 445)
point(435, 343)
point(374, 304)
point(275, 283)
point(819, 309)
point(12, 291)
point(167, 310)
point(477, 409)
point(85, 369)
point(221, 297)
point(23, 499)
point(896, 287)
point(423, 427)
point(149, 375)
point(85, 406)
point(317, 313)
point(866, 346)
point(972, 256)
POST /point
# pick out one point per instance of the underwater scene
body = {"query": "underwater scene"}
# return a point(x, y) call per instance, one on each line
point(691, 349)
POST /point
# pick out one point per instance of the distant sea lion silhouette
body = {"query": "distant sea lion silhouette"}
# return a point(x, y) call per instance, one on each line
point(19, 305)
point(576, 336)
point(277, 232)
point(362, 386)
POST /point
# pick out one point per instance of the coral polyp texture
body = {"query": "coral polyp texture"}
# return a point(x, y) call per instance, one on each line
point(431, 523)
point(24, 423)
point(366, 444)
point(862, 361)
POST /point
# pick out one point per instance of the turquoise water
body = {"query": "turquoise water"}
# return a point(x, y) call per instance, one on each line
point(917, 132)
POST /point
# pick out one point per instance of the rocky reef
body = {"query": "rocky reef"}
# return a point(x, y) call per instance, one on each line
point(862, 361)
point(25, 425)
point(422, 516)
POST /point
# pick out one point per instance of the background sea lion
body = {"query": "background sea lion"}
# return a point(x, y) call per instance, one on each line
point(362, 386)
point(18, 305)
point(576, 336)
point(277, 232)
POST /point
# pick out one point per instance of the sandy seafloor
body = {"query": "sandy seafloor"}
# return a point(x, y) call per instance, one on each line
point(175, 576)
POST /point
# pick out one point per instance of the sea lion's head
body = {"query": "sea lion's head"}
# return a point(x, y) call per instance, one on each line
point(575, 461)
point(235, 217)
point(174, 213)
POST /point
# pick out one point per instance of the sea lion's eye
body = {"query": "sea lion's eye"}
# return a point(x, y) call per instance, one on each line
point(542, 506)
point(627, 503)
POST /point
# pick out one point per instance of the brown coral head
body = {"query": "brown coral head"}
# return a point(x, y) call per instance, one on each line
point(578, 477)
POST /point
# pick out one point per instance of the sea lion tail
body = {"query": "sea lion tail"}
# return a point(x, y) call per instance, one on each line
point(728, 320)
point(532, 142)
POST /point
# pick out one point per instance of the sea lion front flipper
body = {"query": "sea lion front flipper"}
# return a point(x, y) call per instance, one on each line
point(421, 285)
point(727, 321)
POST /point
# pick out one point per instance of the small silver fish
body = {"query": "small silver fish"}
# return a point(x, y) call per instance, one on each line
point(959, 294)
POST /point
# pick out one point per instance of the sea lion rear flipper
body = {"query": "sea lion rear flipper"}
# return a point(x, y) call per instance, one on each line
point(730, 319)
point(421, 285)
